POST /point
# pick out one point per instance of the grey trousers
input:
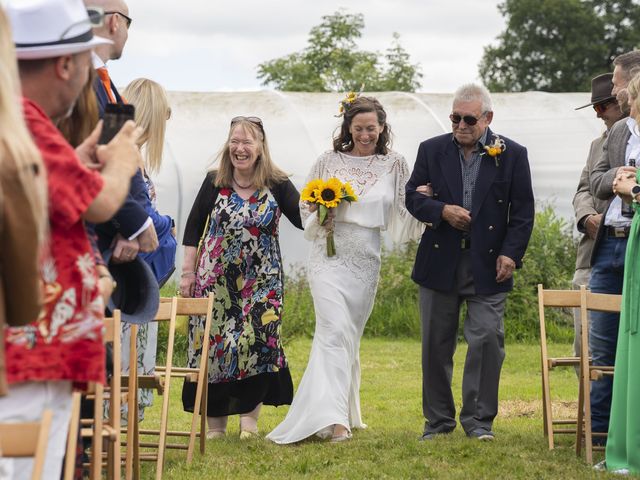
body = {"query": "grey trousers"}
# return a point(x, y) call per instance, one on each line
point(484, 333)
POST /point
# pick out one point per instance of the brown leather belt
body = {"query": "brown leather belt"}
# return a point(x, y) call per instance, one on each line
point(617, 232)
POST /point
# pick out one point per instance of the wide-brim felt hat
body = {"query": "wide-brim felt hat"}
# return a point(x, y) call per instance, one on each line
point(601, 87)
point(51, 28)
point(137, 294)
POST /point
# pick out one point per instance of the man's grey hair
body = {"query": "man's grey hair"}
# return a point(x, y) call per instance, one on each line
point(471, 92)
point(628, 62)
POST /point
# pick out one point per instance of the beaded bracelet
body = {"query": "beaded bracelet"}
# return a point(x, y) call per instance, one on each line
point(185, 274)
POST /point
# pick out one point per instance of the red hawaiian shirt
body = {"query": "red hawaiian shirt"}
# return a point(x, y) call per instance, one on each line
point(65, 342)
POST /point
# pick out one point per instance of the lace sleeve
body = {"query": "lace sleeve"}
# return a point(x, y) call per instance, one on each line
point(402, 225)
point(309, 219)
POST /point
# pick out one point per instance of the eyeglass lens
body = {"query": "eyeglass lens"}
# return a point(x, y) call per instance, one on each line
point(601, 107)
point(468, 119)
point(96, 16)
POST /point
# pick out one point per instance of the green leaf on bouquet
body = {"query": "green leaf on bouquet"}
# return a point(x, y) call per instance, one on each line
point(349, 198)
point(322, 214)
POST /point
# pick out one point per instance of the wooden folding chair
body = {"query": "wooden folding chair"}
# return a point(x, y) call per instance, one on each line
point(591, 302)
point(556, 299)
point(27, 439)
point(168, 311)
point(96, 428)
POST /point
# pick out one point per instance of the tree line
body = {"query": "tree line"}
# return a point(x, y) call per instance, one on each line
point(547, 45)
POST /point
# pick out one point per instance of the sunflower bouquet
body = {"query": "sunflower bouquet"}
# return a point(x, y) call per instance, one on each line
point(326, 195)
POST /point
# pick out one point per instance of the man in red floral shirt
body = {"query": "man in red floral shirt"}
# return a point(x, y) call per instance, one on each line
point(64, 344)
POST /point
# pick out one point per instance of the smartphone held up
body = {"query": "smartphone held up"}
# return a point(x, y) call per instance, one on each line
point(115, 116)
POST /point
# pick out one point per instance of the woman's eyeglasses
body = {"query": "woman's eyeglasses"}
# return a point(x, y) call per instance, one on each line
point(600, 108)
point(255, 120)
point(468, 119)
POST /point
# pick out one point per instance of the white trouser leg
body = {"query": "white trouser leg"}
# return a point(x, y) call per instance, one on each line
point(26, 403)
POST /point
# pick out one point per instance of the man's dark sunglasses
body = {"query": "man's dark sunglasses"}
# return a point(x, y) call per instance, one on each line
point(468, 119)
point(126, 18)
point(600, 108)
point(255, 120)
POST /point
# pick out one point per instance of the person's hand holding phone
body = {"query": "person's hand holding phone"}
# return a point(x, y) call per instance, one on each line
point(122, 151)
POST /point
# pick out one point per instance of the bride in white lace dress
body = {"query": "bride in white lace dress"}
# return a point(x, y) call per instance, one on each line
point(343, 287)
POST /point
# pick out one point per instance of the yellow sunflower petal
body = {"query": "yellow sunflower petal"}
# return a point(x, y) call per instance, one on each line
point(330, 193)
point(348, 193)
point(309, 192)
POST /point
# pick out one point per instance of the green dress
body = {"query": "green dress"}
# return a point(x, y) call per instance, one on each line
point(623, 443)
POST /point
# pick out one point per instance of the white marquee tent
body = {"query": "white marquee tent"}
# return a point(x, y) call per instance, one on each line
point(299, 126)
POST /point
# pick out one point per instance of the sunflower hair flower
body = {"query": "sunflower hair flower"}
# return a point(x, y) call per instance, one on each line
point(347, 101)
point(327, 195)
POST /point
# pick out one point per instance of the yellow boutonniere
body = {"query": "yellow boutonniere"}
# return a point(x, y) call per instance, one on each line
point(495, 149)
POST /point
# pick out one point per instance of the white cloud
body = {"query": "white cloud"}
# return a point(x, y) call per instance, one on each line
point(202, 45)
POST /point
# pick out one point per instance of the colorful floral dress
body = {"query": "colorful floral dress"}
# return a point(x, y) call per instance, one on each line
point(241, 264)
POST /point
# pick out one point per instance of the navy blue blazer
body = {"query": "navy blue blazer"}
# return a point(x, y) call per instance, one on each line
point(501, 217)
point(132, 215)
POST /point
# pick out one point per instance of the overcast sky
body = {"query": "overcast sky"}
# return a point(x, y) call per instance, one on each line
point(216, 45)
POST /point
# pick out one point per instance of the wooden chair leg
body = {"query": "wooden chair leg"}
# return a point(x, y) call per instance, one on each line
point(203, 413)
point(580, 421)
point(135, 428)
point(132, 405)
point(96, 444)
point(72, 437)
point(41, 447)
point(164, 416)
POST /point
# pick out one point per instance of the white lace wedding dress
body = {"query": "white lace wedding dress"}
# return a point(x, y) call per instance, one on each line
point(344, 288)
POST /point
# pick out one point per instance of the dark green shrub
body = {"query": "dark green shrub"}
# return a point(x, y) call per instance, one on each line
point(550, 260)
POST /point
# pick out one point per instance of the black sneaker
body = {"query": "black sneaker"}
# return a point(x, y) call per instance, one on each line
point(426, 436)
point(482, 435)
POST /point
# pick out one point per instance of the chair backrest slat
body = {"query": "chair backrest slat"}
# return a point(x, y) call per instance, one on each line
point(561, 298)
point(193, 306)
point(19, 440)
point(603, 302)
point(164, 310)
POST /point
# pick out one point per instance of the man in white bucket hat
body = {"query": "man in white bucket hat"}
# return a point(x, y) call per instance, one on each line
point(54, 40)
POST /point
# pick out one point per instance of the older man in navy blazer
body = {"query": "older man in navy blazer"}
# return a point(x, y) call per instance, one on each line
point(472, 189)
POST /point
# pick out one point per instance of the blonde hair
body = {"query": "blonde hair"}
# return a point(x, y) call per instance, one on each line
point(265, 172)
point(152, 111)
point(15, 139)
point(634, 94)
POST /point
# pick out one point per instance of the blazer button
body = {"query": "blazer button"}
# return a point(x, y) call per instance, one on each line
point(491, 250)
point(435, 245)
point(500, 201)
point(490, 227)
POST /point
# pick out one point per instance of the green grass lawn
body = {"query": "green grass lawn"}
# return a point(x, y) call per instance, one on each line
point(389, 448)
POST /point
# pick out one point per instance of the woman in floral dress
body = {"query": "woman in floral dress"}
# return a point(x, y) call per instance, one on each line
point(238, 210)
